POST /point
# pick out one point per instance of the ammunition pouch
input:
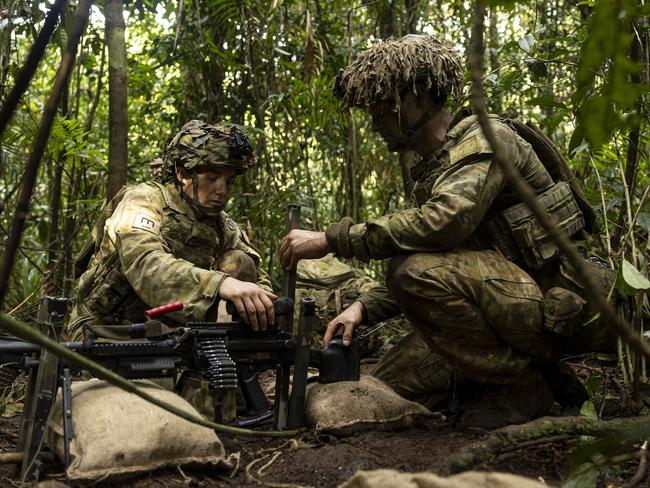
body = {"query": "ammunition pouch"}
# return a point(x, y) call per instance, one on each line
point(520, 237)
point(563, 310)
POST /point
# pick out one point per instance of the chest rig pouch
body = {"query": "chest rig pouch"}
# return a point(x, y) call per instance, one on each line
point(519, 236)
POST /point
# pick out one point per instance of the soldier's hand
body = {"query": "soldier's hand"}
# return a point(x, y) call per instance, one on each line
point(349, 319)
point(254, 304)
point(302, 244)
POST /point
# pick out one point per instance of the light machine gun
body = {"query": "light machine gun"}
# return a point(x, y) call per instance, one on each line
point(225, 354)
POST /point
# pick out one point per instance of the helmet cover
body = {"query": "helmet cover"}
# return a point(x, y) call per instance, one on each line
point(382, 72)
point(203, 146)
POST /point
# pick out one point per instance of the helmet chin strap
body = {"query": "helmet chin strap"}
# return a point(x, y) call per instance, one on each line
point(202, 210)
point(403, 142)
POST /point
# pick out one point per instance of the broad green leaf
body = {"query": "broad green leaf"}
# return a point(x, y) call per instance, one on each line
point(576, 139)
point(629, 280)
point(581, 148)
point(643, 221)
point(592, 385)
point(589, 410)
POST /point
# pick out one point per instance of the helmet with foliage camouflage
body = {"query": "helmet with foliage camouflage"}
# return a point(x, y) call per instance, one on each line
point(200, 146)
point(382, 72)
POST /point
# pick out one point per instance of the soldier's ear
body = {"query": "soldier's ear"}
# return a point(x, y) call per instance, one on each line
point(182, 176)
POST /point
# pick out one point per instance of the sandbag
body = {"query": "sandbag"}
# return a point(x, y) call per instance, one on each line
point(387, 478)
point(348, 407)
point(117, 433)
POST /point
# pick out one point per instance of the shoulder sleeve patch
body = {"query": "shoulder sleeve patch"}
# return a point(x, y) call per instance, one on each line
point(145, 221)
point(472, 147)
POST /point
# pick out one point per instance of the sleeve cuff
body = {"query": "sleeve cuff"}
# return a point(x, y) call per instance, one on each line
point(338, 238)
point(372, 313)
point(209, 295)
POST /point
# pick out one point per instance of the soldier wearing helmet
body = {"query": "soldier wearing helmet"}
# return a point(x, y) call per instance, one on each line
point(168, 241)
point(478, 311)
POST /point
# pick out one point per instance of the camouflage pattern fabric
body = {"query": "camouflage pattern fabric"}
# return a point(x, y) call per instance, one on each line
point(450, 200)
point(200, 145)
point(415, 372)
point(590, 334)
point(334, 285)
point(476, 310)
point(153, 252)
point(479, 311)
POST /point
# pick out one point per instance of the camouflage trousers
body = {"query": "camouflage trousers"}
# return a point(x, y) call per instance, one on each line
point(476, 317)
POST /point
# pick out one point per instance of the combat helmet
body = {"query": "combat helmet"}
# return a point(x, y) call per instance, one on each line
point(200, 146)
point(385, 71)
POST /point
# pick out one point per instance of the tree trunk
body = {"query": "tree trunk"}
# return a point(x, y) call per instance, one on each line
point(493, 43)
point(117, 97)
point(98, 91)
point(5, 48)
point(638, 51)
point(412, 8)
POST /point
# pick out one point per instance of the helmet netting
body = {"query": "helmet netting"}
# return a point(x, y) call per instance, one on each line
point(385, 70)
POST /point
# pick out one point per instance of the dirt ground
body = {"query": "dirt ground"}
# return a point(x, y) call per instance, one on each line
point(326, 461)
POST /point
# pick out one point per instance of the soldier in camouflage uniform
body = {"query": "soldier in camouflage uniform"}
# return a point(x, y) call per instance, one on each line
point(161, 242)
point(478, 312)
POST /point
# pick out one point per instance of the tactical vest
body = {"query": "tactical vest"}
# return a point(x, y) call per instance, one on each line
point(514, 231)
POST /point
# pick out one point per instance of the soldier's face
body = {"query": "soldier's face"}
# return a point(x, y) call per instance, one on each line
point(213, 186)
point(392, 124)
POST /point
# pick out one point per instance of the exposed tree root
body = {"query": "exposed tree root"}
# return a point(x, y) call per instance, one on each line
point(513, 437)
point(641, 471)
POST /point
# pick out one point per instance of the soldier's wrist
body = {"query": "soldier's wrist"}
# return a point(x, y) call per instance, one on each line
point(362, 311)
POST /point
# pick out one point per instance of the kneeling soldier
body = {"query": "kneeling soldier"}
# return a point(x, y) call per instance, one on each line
point(161, 242)
point(491, 305)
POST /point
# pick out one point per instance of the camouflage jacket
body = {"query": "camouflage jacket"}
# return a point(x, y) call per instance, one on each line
point(154, 251)
point(452, 194)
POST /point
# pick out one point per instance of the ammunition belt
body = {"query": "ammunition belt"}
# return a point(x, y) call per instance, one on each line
point(222, 371)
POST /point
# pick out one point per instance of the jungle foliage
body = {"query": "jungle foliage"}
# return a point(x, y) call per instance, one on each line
point(578, 69)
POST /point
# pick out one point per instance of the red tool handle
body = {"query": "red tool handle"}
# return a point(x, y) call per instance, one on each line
point(170, 307)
